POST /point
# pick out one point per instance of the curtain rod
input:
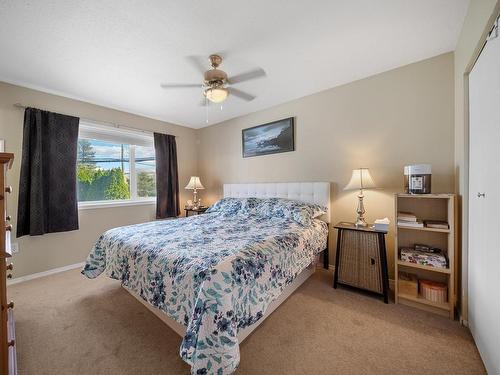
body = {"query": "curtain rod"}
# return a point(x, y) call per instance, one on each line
point(106, 123)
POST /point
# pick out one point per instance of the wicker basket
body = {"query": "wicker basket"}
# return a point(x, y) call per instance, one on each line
point(433, 291)
point(408, 284)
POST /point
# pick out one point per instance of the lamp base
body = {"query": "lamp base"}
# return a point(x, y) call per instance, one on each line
point(195, 200)
point(360, 222)
point(360, 210)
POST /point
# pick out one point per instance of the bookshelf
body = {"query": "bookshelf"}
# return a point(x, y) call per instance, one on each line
point(425, 229)
point(428, 207)
point(422, 267)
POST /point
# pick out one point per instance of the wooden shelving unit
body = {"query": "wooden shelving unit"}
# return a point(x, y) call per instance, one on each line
point(422, 267)
point(443, 306)
point(401, 227)
point(8, 364)
point(429, 207)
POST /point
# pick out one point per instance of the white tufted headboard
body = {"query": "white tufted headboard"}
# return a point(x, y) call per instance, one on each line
point(310, 192)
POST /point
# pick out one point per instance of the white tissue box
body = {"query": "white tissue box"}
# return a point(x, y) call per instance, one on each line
point(382, 224)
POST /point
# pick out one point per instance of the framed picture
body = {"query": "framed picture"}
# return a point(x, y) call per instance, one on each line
point(271, 138)
point(2, 145)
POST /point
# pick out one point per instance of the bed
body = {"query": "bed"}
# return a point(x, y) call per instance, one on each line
point(213, 278)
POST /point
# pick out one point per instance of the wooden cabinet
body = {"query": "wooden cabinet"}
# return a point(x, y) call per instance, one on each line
point(440, 207)
point(361, 260)
point(8, 364)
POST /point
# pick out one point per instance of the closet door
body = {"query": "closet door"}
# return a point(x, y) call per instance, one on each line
point(484, 204)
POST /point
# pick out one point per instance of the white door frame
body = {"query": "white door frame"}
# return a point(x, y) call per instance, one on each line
point(483, 308)
point(465, 193)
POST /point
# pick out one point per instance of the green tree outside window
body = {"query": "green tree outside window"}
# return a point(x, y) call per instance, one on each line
point(95, 184)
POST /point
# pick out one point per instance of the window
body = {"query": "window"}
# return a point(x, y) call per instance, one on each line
point(145, 168)
point(114, 165)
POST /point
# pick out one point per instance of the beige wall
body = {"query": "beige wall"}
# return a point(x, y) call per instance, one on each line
point(50, 251)
point(478, 21)
point(383, 122)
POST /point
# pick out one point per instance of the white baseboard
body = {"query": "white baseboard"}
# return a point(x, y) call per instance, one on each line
point(21, 279)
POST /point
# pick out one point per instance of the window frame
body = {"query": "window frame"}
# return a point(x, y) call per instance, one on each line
point(114, 134)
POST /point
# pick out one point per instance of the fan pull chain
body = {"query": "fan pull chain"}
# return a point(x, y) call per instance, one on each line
point(206, 110)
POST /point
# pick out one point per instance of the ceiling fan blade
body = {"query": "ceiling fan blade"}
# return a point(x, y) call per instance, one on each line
point(241, 94)
point(180, 85)
point(199, 62)
point(247, 76)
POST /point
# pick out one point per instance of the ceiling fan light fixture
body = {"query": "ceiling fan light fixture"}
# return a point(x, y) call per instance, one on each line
point(216, 95)
point(215, 81)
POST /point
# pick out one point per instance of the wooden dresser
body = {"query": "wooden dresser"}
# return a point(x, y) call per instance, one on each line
point(7, 341)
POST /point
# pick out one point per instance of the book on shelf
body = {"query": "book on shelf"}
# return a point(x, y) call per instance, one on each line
point(410, 224)
point(438, 224)
point(426, 248)
point(406, 216)
point(422, 258)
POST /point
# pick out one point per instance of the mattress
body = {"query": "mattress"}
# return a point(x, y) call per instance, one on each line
point(214, 273)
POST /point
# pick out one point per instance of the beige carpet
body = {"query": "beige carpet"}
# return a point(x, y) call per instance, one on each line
point(67, 324)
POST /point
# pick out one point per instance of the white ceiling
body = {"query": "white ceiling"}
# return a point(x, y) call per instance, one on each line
point(116, 53)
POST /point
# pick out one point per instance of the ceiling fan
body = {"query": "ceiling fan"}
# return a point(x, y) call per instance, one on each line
point(215, 82)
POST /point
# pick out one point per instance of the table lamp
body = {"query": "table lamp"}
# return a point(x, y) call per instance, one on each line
point(360, 179)
point(194, 184)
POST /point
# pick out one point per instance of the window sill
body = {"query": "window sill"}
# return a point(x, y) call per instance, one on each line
point(110, 204)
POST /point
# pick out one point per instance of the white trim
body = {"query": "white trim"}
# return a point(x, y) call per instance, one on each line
point(115, 203)
point(133, 173)
point(94, 130)
point(103, 132)
point(88, 128)
point(37, 275)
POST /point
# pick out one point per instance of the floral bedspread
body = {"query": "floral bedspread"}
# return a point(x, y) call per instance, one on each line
point(213, 273)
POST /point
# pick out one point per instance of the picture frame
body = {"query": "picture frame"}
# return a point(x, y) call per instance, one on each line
point(269, 138)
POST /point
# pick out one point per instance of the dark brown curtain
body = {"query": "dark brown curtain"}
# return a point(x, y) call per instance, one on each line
point(167, 179)
point(47, 186)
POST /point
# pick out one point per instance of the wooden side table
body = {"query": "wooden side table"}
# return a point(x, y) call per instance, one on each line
point(195, 211)
point(361, 259)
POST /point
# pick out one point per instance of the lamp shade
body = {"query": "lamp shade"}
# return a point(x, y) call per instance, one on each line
point(360, 179)
point(194, 184)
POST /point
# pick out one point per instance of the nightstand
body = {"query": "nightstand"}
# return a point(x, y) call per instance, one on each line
point(361, 259)
point(195, 211)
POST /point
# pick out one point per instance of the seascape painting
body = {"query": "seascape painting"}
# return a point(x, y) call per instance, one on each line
point(271, 138)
